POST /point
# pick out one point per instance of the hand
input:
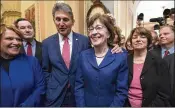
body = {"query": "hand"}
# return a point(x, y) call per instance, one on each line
point(116, 49)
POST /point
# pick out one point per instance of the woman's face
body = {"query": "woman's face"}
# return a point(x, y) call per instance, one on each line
point(10, 44)
point(98, 34)
point(139, 42)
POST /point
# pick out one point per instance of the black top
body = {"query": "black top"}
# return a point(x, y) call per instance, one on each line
point(5, 63)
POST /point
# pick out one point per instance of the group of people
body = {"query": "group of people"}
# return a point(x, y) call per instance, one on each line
point(69, 69)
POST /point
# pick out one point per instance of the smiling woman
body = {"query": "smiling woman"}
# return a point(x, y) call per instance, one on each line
point(22, 81)
point(10, 42)
point(111, 83)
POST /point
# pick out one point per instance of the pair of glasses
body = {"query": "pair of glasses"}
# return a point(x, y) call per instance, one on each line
point(97, 28)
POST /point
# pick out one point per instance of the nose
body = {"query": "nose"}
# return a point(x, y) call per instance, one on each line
point(27, 30)
point(61, 22)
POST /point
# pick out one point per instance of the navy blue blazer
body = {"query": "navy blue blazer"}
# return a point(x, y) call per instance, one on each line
point(104, 85)
point(56, 73)
point(24, 84)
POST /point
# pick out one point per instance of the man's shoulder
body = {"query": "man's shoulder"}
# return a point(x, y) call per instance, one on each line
point(80, 36)
point(49, 38)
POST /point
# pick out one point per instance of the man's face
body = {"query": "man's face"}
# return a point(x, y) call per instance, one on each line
point(27, 30)
point(166, 36)
point(63, 22)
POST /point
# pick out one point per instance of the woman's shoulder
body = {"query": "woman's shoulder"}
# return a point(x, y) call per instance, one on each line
point(27, 58)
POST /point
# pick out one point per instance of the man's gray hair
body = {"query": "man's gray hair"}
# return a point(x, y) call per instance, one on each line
point(62, 7)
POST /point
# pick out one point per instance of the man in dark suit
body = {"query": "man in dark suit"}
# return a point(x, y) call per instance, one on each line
point(60, 54)
point(30, 46)
point(170, 61)
point(166, 41)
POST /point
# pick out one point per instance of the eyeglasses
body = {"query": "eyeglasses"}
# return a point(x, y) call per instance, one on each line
point(97, 28)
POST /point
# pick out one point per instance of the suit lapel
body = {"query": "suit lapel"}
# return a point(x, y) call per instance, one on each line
point(91, 58)
point(75, 51)
point(108, 59)
point(38, 50)
point(148, 62)
point(130, 64)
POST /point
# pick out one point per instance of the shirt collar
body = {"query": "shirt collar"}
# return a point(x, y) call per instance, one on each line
point(69, 37)
point(171, 50)
point(32, 43)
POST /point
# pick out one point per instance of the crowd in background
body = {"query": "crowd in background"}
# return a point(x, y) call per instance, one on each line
point(103, 69)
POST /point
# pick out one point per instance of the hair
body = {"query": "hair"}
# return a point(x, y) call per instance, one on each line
point(62, 7)
point(107, 21)
point(12, 28)
point(170, 26)
point(157, 37)
point(142, 31)
point(117, 31)
point(21, 19)
point(126, 45)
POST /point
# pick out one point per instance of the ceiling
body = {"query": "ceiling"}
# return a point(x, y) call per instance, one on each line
point(153, 9)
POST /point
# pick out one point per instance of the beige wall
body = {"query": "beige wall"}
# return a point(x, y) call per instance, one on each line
point(124, 15)
point(10, 11)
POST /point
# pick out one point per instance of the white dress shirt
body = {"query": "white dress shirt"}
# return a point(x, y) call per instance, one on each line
point(33, 45)
point(61, 42)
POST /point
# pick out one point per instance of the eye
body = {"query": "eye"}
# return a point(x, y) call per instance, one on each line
point(22, 27)
point(19, 39)
point(134, 37)
point(98, 27)
point(65, 19)
point(9, 38)
point(143, 36)
point(29, 27)
point(58, 19)
point(90, 29)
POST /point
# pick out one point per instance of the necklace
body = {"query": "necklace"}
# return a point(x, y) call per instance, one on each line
point(100, 56)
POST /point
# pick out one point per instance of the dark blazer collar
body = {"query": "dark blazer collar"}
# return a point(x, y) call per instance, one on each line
point(147, 64)
point(109, 57)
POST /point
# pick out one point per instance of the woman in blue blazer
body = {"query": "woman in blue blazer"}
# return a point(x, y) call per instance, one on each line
point(22, 81)
point(101, 78)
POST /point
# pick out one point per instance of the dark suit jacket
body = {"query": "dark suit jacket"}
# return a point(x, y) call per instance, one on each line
point(170, 61)
point(154, 81)
point(38, 51)
point(157, 50)
point(56, 73)
point(104, 85)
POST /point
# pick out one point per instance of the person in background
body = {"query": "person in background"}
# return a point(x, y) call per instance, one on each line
point(148, 79)
point(30, 45)
point(22, 80)
point(128, 46)
point(170, 61)
point(166, 41)
point(122, 42)
point(60, 53)
point(101, 78)
point(155, 39)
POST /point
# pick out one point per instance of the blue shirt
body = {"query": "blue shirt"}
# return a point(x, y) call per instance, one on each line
point(33, 44)
point(171, 50)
